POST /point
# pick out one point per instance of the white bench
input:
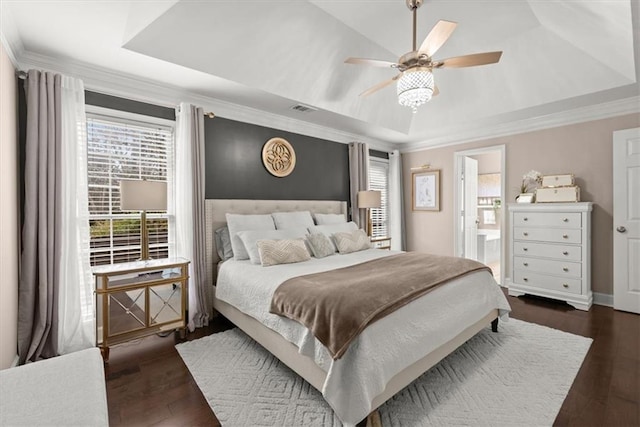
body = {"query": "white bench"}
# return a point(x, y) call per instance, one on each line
point(67, 390)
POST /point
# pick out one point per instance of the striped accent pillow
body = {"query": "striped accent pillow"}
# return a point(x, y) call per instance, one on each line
point(274, 252)
point(353, 241)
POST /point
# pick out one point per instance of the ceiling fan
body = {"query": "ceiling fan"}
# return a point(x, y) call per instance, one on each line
point(415, 80)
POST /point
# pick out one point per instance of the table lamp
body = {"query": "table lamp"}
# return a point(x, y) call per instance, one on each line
point(142, 195)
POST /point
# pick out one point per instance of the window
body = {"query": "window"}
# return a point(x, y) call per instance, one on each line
point(378, 180)
point(119, 148)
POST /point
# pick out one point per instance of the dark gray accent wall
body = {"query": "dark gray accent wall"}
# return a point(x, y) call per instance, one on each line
point(234, 168)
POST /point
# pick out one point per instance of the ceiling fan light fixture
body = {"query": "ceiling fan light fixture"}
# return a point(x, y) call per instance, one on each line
point(415, 87)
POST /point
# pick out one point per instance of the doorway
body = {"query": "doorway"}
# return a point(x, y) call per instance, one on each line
point(479, 207)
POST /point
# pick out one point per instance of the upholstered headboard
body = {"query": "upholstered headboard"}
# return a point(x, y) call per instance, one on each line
point(216, 209)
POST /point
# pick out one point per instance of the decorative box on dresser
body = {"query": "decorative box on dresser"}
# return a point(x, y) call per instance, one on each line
point(550, 248)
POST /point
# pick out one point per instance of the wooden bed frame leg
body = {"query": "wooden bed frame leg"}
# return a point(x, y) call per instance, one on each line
point(494, 325)
point(373, 420)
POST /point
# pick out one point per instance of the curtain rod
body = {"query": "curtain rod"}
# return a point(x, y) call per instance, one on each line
point(23, 75)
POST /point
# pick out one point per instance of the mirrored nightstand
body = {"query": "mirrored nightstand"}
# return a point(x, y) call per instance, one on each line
point(381, 242)
point(140, 298)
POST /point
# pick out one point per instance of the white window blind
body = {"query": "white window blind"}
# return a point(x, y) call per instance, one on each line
point(378, 180)
point(117, 149)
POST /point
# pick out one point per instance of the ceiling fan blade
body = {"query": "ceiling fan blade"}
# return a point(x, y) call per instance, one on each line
point(469, 60)
point(371, 62)
point(437, 37)
point(380, 86)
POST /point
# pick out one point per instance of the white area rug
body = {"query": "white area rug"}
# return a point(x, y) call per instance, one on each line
point(519, 376)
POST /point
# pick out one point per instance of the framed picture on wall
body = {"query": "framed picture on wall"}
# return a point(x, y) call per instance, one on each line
point(425, 190)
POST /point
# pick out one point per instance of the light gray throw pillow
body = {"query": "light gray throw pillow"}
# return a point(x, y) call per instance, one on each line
point(320, 245)
point(223, 243)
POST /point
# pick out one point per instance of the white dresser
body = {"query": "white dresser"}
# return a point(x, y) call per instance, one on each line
point(550, 246)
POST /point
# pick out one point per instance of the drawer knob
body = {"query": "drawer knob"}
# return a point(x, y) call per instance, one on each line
point(525, 234)
point(564, 285)
point(565, 219)
point(565, 236)
point(525, 279)
point(525, 249)
point(525, 218)
point(565, 253)
point(526, 264)
point(565, 269)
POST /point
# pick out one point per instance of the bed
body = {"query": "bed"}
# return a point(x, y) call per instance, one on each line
point(369, 373)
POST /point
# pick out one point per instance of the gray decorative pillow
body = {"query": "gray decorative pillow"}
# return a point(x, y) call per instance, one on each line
point(353, 241)
point(274, 252)
point(320, 245)
point(223, 243)
point(329, 229)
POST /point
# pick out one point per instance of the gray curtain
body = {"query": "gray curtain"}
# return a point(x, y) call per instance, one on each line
point(39, 271)
point(201, 317)
point(358, 179)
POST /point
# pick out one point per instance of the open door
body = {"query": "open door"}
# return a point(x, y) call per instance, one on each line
point(626, 220)
point(470, 209)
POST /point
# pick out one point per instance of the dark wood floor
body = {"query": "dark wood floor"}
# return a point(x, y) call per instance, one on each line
point(148, 384)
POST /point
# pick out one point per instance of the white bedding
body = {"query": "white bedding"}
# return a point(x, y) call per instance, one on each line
point(408, 333)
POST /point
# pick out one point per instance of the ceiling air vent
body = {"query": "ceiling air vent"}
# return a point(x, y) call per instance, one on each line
point(303, 108)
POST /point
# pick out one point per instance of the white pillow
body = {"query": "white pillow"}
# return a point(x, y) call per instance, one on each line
point(250, 239)
point(274, 252)
point(237, 223)
point(322, 219)
point(352, 241)
point(284, 220)
point(329, 229)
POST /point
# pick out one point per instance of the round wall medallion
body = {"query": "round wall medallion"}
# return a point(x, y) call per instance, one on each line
point(278, 157)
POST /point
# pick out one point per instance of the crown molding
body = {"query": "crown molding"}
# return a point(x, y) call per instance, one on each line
point(564, 118)
point(10, 37)
point(132, 87)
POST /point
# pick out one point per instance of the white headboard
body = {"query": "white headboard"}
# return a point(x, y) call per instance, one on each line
point(215, 210)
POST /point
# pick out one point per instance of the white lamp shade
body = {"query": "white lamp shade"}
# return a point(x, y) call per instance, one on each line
point(369, 199)
point(142, 195)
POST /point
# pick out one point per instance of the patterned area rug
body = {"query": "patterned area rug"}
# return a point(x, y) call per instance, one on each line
point(519, 376)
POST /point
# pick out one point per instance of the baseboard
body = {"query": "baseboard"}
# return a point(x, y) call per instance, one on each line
point(603, 299)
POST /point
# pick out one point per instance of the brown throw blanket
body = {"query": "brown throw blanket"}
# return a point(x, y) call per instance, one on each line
point(337, 305)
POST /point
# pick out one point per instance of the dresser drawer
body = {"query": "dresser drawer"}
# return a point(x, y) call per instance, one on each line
point(561, 284)
point(547, 219)
point(555, 235)
point(548, 266)
point(564, 252)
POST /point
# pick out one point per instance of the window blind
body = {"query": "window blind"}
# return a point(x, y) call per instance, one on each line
point(378, 180)
point(121, 149)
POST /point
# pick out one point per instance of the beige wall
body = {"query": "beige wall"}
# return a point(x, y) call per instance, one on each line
point(9, 212)
point(584, 149)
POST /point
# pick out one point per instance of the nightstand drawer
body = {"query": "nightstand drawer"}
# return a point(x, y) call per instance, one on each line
point(548, 266)
point(563, 252)
point(561, 284)
point(547, 219)
point(554, 235)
